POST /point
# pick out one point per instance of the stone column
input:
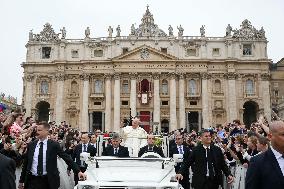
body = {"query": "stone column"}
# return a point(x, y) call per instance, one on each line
point(157, 101)
point(91, 122)
point(133, 94)
point(205, 105)
point(108, 103)
point(59, 105)
point(181, 102)
point(116, 102)
point(29, 94)
point(232, 96)
point(84, 126)
point(265, 77)
point(173, 113)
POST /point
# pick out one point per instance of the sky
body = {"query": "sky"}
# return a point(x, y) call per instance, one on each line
point(18, 17)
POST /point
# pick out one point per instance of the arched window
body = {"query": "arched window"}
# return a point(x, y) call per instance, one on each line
point(249, 87)
point(98, 86)
point(74, 87)
point(192, 87)
point(217, 86)
point(164, 87)
point(44, 87)
point(125, 88)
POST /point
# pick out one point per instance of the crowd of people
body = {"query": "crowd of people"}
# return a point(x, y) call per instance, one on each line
point(229, 156)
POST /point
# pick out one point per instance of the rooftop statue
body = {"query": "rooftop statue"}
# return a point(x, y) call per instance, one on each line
point(31, 35)
point(170, 30)
point(202, 31)
point(87, 32)
point(132, 30)
point(180, 31)
point(110, 31)
point(228, 30)
point(118, 30)
point(63, 33)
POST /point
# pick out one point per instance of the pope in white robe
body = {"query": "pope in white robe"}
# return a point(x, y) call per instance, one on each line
point(134, 137)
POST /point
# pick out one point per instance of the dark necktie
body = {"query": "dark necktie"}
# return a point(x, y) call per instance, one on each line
point(209, 163)
point(85, 148)
point(40, 160)
point(115, 151)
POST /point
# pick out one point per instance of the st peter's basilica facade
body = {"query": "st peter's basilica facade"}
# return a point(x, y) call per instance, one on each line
point(169, 81)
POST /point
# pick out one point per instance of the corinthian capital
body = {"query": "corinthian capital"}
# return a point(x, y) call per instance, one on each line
point(116, 76)
point(85, 76)
point(265, 76)
point(59, 77)
point(231, 75)
point(172, 75)
point(133, 76)
point(29, 77)
point(156, 76)
point(107, 76)
point(205, 76)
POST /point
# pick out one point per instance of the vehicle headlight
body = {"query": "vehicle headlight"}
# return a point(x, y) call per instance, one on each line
point(87, 187)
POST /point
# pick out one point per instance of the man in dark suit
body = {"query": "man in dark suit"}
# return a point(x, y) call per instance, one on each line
point(85, 146)
point(179, 148)
point(266, 170)
point(207, 163)
point(40, 164)
point(115, 149)
point(7, 173)
point(151, 147)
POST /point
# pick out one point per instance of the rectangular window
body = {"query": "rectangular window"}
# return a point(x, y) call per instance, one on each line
point(247, 50)
point(191, 52)
point(276, 93)
point(164, 50)
point(75, 54)
point(98, 53)
point(124, 103)
point(125, 88)
point(97, 103)
point(193, 103)
point(124, 50)
point(216, 51)
point(46, 51)
point(165, 103)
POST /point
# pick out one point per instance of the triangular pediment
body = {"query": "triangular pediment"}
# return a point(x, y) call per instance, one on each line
point(145, 52)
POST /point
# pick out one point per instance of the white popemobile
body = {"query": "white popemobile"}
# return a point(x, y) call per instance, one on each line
point(148, 172)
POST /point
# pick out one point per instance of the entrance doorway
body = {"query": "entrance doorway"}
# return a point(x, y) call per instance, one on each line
point(145, 120)
point(97, 121)
point(192, 118)
point(165, 126)
point(42, 111)
point(250, 112)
